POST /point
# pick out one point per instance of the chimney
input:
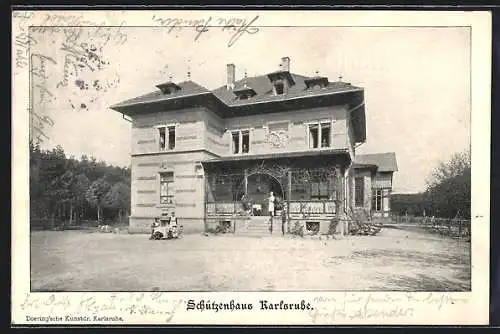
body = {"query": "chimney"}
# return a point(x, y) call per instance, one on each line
point(285, 64)
point(230, 76)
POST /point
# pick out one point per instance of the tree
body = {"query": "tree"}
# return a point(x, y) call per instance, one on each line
point(96, 193)
point(118, 198)
point(59, 185)
point(79, 189)
point(449, 188)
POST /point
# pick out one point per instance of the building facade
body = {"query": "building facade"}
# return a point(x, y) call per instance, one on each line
point(215, 156)
point(373, 183)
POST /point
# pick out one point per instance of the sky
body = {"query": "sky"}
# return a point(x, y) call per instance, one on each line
point(416, 81)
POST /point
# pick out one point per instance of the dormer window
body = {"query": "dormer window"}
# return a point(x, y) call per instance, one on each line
point(168, 88)
point(282, 81)
point(316, 82)
point(279, 88)
point(244, 93)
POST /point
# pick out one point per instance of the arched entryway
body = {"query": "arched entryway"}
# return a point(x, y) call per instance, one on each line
point(258, 187)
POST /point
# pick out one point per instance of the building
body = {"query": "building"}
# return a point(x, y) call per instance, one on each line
point(214, 156)
point(373, 183)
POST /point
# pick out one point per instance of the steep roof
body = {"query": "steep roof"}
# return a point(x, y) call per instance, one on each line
point(264, 89)
point(187, 88)
point(386, 162)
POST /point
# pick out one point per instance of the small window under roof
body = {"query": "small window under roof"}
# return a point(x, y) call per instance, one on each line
point(168, 87)
point(316, 81)
point(281, 75)
point(244, 93)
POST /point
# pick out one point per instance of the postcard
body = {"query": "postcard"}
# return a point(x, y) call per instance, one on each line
point(250, 167)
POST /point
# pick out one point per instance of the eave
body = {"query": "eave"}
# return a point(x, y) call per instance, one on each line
point(278, 155)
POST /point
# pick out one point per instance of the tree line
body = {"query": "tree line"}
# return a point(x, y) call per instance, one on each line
point(73, 190)
point(447, 195)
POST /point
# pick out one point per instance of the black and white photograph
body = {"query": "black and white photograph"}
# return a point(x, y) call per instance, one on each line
point(215, 152)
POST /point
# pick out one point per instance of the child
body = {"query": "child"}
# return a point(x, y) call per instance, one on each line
point(153, 225)
point(283, 220)
point(173, 225)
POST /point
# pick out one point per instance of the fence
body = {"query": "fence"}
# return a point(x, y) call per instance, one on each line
point(452, 227)
point(38, 224)
point(312, 207)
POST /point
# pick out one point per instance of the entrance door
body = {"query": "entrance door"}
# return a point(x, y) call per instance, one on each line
point(259, 186)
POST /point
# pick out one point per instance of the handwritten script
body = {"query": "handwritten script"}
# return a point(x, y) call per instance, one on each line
point(377, 306)
point(63, 51)
point(157, 304)
point(236, 27)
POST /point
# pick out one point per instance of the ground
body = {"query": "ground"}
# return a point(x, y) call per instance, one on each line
point(393, 260)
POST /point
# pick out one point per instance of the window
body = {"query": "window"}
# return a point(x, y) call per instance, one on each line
point(167, 137)
point(171, 137)
point(312, 227)
point(359, 191)
point(162, 138)
point(245, 141)
point(167, 188)
point(279, 88)
point(319, 135)
point(313, 135)
point(325, 135)
point(236, 142)
point(377, 200)
point(240, 141)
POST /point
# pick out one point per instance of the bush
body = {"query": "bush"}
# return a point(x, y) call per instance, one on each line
point(361, 225)
point(332, 228)
point(297, 229)
point(221, 228)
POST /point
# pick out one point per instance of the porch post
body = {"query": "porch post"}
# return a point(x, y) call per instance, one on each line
point(338, 198)
point(245, 181)
point(288, 197)
point(205, 200)
point(338, 190)
point(319, 134)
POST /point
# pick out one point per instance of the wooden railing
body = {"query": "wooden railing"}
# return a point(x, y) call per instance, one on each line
point(313, 207)
point(223, 208)
point(296, 207)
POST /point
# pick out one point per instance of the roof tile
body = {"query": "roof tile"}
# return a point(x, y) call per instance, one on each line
point(386, 162)
point(260, 84)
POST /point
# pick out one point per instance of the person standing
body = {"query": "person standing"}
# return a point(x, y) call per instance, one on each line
point(270, 206)
point(270, 209)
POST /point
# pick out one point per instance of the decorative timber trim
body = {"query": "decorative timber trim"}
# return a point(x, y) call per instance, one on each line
point(146, 191)
point(148, 141)
point(298, 139)
point(215, 142)
point(146, 205)
point(185, 191)
point(173, 152)
point(148, 164)
point(146, 178)
point(186, 137)
point(186, 205)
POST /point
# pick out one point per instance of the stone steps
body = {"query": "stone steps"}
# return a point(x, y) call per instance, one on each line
point(257, 226)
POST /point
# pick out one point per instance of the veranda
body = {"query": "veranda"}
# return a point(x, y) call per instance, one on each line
point(308, 190)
